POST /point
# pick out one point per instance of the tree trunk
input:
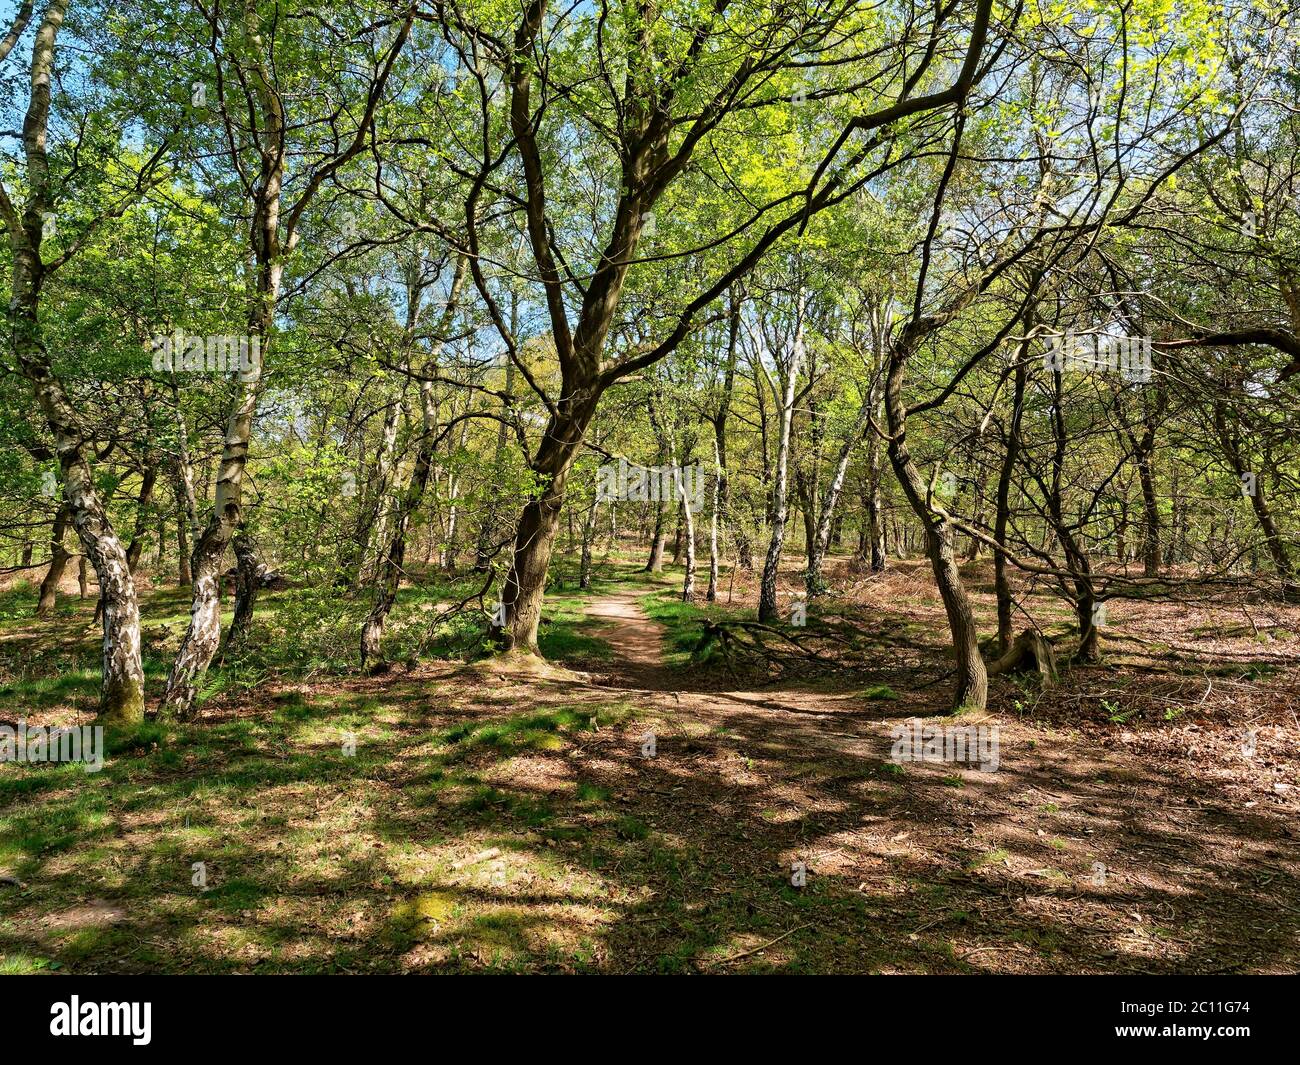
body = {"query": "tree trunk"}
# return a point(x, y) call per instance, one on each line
point(1150, 519)
point(122, 687)
point(59, 556)
point(767, 606)
point(525, 582)
point(187, 510)
point(588, 537)
point(248, 581)
point(389, 575)
point(199, 645)
point(203, 636)
point(822, 533)
point(1030, 649)
point(136, 548)
point(655, 563)
point(712, 594)
point(974, 544)
point(1076, 556)
point(972, 677)
point(677, 537)
point(370, 536)
point(875, 528)
point(806, 493)
point(183, 578)
point(720, 510)
point(487, 531)
point(1001, 576)
point(270, 244)
point(688, 521)
point(1273, 541)
point(1121, 531)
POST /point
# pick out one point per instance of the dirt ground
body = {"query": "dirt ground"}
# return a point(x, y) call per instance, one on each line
point(1094, 847)
point(645, 815)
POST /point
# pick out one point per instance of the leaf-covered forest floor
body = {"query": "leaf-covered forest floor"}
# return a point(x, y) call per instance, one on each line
point(1142, 817)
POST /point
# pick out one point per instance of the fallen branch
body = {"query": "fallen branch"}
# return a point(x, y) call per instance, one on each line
point(761, 946)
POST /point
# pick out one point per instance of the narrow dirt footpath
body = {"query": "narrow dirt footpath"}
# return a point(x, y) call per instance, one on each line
point(637, 641)
point(1070, 857)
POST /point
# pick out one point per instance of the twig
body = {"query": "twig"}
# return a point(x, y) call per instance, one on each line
point(761, 946)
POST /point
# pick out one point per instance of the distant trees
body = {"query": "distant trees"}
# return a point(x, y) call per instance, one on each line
point(821, 254)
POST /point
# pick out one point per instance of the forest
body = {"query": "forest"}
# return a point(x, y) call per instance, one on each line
point(650, 486)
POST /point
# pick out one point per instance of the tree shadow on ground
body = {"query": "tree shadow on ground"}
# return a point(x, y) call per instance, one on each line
point(461, 837)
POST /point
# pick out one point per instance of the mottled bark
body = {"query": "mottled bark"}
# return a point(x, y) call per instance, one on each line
point(248, 582)
point(202, 637)
point(778, 513)
point(390, 568)
point(271, 241)
point(122, 687)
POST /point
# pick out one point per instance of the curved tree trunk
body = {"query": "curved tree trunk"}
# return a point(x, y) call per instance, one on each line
point(972, 677)
point(1282, 561)
point(1076, 556)
point(136, 547)
point(389, 576)
point(270, 243)
point(203, 636)
point(122, 687)
point(59, 556)
point(248, 581)
point(525, 582)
